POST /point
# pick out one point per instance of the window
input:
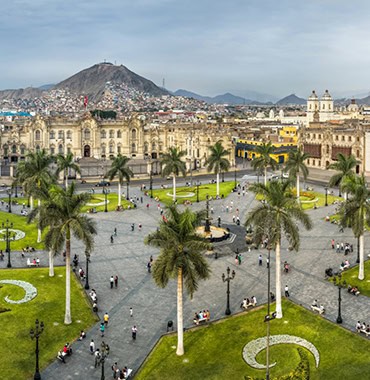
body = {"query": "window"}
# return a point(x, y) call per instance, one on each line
point(69, 135)
point(111, 134)
point(319, 163)
point(52, 135)
point(308, 161)
point(37, 135)
point(103, 149)
point(133, 134)
point(343, 138)
point(14, 149)
point(133, 147)
point(23, 149)
point(327, 149)
point(309, 136)
point(154, 146)
point(87, 134)
point(313, 162)
point(314, 135)
point(111, 149)
point(69, 150)
point(119, 134)
point(146, 148)
point(103, 134)
point(60, 134)
point(329, 106)
point(319, 136)
point(37, 148)
point(349, 138)
point(323, 106)
point(336, 138)
point(119, 149)
point(5, 150)
point(60, 149)
point(52, 150)
point(358, 139)
point(357, 153)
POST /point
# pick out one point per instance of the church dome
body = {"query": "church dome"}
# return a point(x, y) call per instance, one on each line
point(326, 96)
point(313, 96)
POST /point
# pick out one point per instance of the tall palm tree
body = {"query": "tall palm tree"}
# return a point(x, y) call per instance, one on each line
point(120, 170)
point(65, 163)
point(62, 215)
point(281, 211)
point(172, 164)
point(296, 165)
point(264, 159)
point(356, 212)
point(344, 166)
point(35, 174)
point(217, 162)
point(180, 257)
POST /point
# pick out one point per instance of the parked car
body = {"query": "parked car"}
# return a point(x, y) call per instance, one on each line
point(103, 183)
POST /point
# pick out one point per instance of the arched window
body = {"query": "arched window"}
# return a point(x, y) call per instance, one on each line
point(87, 134)
point(60, 134)
point(323, 106)
point(23, 149)
point(52, 135)
point(103, 151)
point(60, 149)
point(52, 149)
point(111, 134)
point(103, 134)
point(146, 147)
point(327, 149)
point(38, 135)
point(119, 149)
point(14, 149)
point(133, 134)
point(133, 147)
point(119, 134)
point(69, 135)
point(111, 149)
point(5, 148)
point(154, 146)
point(69, 150)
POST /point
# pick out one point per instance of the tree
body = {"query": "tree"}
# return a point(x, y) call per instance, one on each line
point(172, 164)
point(217, 162)
point(344, 166)
point(279, 210)
point(120, 170)
point(64, 164)
point(296, 165)
point(35, 174)
point(356, 212)
point(180, 257)
point(62, 215)
point(264, 159)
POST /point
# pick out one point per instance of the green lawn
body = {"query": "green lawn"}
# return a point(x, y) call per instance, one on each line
point(112, 202)
point(190, 193)
point(215, 351)
point(17, 349)
point(351, 278)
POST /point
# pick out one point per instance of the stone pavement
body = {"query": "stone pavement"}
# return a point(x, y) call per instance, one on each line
point(153, 307)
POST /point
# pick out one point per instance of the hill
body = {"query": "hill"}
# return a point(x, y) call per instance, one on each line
point(291, 99)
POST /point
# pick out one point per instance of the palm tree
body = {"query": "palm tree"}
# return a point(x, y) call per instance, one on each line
point(296, 165)
point(35, 174)
point(172, 164)
point(344, 166)
point(64, 164)
point(121, 170)
point(217, 162)
point(62, 214)
point(280, 211)
point(180, 257)
point(264, 159)
point(356, 212)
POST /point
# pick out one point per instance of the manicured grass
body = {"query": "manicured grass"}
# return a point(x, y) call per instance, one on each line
point(190, 193)
point(215, 351)
point(20, 223)
point(17, 349)
point(351, 278)
point(112, 201)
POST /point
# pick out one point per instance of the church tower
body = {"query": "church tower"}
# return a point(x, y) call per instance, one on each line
point(313, 105)
point(326, 107)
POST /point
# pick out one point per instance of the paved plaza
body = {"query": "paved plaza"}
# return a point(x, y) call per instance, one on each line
point(152, 307)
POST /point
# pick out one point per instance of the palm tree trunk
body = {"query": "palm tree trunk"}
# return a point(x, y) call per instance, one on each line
point(31, 202)
point(66, 178)
point(265, 174)
point(67, 316)
point(174, 187)
point(39, 229)
point(279, 311)
point(51, 263)
point(361, 275)
point(119, 194)
point(180, 328)
point(298, 190)
point(218, 184)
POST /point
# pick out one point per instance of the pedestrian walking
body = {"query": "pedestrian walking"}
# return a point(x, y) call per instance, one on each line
point(140, 226)
point(133, 227)
point(236, 259)
point(338, 247)
point(111, 280)
point(111, 239)
point(131, 312)
point(260, 260)
point(134, 332)
point(267, 262)
point(115, 231)
point(332, 243)
point(92, 346)
point(116, 281)
point(151, 258)
point(240, 259)
point(102, 329)
point(97, 358)
point(286, 290)
point(106, 319)
point(149, 266)
point(114, 369)
point(141, 199)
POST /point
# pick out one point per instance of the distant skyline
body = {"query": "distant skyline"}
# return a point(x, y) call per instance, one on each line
point(205, 46)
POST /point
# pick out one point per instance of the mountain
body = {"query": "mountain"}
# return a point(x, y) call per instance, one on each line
point(92, 81)
point(291, 99)
point(46, 86)
point(21, 93)
point(189, 94)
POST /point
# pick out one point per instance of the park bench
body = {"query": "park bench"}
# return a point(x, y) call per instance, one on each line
point(364, 332)
point(199, 320)
point(31, 264)
point(319, 309)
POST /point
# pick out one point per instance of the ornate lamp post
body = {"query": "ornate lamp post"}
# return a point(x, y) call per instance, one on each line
point(105, 192)
point(326, 195)
point(228, 279)
point(207, 227)
point(104, 351)
point(235, 175)
point(151, 182)
point(340, 286)
point(127, 190)
point(10, 200)
point(7, 225)
point(87, 254)
point(198, 184)
point(35, 333)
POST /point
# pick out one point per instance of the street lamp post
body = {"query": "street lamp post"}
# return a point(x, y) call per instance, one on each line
point(198, 184)
point(151, 182)
point(16, 191)
point(127, 190)
point(10, 200)
point(358, 250)
point(35, 333)
point(207, 227)
point(326, 195)
point(228, 279)
point(340, 286)
point(105, 192)
point(104, 350)
point(235, 176)
point(7, 225)
point(87, 254)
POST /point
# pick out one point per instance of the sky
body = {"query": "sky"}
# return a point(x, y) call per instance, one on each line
point(275, 47)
